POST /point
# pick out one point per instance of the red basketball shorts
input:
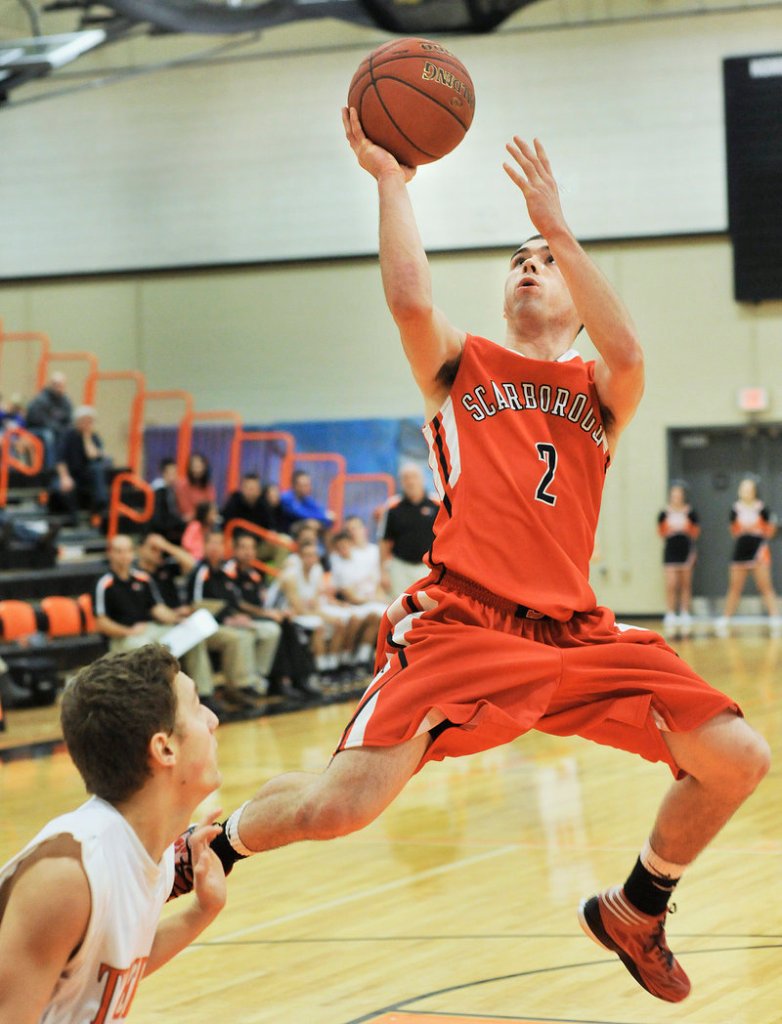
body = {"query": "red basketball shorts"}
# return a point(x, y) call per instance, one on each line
point(468, 667)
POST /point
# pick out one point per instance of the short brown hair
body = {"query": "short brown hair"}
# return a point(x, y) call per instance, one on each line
point(111, 710)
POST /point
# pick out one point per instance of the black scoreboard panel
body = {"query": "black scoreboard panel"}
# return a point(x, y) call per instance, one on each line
point(753, 133)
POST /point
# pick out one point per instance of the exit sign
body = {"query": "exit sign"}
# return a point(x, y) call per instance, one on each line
point(753, 399)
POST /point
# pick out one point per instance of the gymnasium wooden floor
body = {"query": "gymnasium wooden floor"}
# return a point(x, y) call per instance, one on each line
point(458, 904)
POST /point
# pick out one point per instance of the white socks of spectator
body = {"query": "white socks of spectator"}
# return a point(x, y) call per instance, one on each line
point(326, 662)
point(364, 654)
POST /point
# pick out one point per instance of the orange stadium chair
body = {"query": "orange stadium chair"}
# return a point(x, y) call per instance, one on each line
point(64, 617)
point(17, 619)
point(84, 601)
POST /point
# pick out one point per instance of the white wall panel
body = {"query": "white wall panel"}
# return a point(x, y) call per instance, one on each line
point(246, 161)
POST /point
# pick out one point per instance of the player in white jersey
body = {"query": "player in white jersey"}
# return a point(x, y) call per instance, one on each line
point(80, 904)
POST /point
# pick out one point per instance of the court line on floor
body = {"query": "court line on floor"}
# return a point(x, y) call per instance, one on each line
point(406, 1005)
point(363, 894)
point(476, 937)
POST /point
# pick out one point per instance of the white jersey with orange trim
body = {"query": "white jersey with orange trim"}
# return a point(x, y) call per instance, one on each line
point(127, 891)
point(519, 456)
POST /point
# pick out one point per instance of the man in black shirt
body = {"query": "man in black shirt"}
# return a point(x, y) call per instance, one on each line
point(131, 612)
point(166, 563)
point(293, 666)
point(82, 466)
point(250, 504)
point(211, 587)
point(166, 518)
point(407, 533)
point(49, 415)
point(247, 503)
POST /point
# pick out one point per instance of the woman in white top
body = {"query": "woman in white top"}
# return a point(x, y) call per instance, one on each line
point(80, 904)
point(752, 524)
point(678, 525)
point(355, 580)
point(304, 588)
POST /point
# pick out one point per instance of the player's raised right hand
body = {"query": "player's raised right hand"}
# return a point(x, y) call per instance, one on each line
point(374, 159)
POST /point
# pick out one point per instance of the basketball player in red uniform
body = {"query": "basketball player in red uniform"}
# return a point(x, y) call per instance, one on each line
point(504, 634)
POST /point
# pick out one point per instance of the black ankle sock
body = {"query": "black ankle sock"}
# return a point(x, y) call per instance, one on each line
point(647, 892)
point(226, 854)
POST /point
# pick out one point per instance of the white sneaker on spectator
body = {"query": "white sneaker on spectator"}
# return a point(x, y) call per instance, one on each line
point(685, 624)
point(722, 626)
point(670, 624)
point(775, 626)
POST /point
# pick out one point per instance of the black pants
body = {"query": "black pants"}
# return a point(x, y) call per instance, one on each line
point(293, 659)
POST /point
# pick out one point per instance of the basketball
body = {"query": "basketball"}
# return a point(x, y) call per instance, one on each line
point(414, 98)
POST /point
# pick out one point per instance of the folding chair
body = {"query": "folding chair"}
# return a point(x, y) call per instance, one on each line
point(64, 617)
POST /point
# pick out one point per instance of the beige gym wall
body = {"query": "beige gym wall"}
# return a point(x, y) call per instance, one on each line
point(314, 341)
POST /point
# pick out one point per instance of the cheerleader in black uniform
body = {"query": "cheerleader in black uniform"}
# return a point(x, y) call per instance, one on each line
point(753, 525)
point(678, 525)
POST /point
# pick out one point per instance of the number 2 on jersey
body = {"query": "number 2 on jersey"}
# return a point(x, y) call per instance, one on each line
point(546, 453)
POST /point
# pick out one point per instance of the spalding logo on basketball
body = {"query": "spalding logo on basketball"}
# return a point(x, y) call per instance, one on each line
point(414, 98)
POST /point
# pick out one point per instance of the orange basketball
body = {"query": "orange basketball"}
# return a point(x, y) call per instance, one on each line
point(414, 98)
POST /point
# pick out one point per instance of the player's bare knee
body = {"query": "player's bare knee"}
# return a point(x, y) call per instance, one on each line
point(758, 759)
point(747, 761)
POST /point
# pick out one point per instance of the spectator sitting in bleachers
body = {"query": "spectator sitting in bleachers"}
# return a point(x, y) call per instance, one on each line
point(11, 413)
point(210, 586)
point(195, 487)
point(270, 495)
point(298, 503)
point(130, 612)
point(367, 554)
point(303, 588)
point(82, 467)
point(49, 415)
point(166, 518)
point(307, 531)
point(293, 666)
point(195, 533)
point(167, 564)
point(249, 503)
point(355, 581)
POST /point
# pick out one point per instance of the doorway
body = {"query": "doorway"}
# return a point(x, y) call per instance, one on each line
point(712, 461)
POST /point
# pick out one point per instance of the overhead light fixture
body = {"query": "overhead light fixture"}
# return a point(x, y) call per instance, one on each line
point(24, 59)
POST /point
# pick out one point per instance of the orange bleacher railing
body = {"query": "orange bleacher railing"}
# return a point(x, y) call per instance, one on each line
point(385, 480)
point(133, 457)
point(26, 338)
point(9, 460)
point(260, 437)
point(45, 364)
point(117, 507)
point(168, 395)
point(185, 440)
point(278, 539)
point(369, 478)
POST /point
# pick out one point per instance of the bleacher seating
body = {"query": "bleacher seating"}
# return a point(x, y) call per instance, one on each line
point(63, 627)
point(51, 604)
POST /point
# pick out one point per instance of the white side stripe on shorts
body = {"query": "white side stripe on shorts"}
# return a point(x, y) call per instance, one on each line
point(355, 736)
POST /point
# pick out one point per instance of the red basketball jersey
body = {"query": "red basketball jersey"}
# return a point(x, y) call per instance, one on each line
point(519, 456)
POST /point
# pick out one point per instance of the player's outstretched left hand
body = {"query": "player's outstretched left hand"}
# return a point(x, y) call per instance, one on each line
point(374, 159)
point(533, 175)
point(209, 886)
